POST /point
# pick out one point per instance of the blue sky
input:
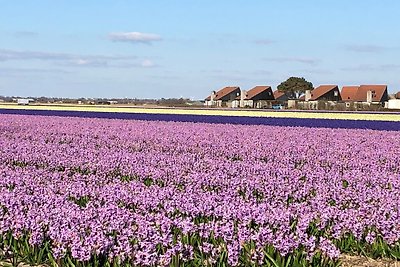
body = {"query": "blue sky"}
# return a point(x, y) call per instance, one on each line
point(154, 49)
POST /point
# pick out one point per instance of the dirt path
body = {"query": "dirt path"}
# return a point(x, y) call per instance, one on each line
point(357, 261)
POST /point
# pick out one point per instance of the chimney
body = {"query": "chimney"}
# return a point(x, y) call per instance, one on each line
point(243, 95)
point(212, 96)
point(369, 97)
point(307, 96)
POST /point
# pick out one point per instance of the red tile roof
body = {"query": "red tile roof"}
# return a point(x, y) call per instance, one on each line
point(322, 90)
point(223, 92)
point(278, 94)
point(378, 91)
point(255, 91)
point(349, 93)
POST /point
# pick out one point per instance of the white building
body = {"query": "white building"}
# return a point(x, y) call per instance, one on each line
point(24, 101)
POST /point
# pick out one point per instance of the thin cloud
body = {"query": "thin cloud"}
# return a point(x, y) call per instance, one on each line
point(165, 77)
point(12, 71)
point(75, 60)
point(229, 38)
point(309, 61)
point(104, 64)
point(264, 41)
point(368, 67)
point(85, 63)
point(314, 71)
point(389, 67)
point(27, 34)
point(365, 48)
point(136, 64)
point(6, 55)
point(147, 63)
point(237, 75)
point(134, 37)
point(358, 68)
point(237, 72)
point(261, 72)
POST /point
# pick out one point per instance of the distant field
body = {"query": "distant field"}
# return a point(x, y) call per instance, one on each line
point(349, 120)
point(216, 112)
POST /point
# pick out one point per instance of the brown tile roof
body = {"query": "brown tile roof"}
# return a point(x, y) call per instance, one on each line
point(278, 94)
point(223, 92)
point(349, 93)
point(255, 91)
point(378, 91)
point(322, 90)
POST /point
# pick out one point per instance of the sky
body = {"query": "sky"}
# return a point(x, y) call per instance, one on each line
point(171, 48)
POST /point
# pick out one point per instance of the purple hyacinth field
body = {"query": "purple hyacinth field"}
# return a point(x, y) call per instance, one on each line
point(109, 192)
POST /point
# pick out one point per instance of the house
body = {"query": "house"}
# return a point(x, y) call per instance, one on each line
point(325, 93)
point(24, 101)
point(223, 98)
point(393, 104)
point(375, 94)
point(106, 102)
point(364, 95)
point(257, 97)
point(280, 96)
point(313, 99)
point(349, 93)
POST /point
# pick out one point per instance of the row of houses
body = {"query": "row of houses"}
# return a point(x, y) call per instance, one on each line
point(265, 97)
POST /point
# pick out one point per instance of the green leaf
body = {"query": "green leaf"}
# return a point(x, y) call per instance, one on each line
point(271, 259)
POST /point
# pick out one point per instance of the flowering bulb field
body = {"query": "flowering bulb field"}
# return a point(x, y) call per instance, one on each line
point(388, 121)
point(100, 192)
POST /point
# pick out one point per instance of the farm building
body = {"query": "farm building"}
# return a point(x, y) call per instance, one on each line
point(325, 93)
point(364, 95)
point(322, 97)
point(106, 102)
point(280, 96)
point(372, 93)
point(257, 97)
point(223, 98)
point(375, 94)
point(394, 103)
point(349, 93)
point(24, 101)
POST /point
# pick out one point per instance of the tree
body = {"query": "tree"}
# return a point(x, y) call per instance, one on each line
point(295, 86)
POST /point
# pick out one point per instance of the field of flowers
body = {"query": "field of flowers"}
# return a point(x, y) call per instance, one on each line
point(344, 120)
point(101, 192)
